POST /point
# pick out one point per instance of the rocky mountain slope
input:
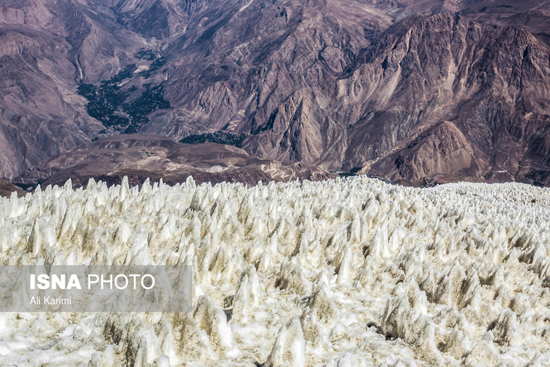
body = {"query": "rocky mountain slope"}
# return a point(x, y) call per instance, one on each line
point(46, 47)
point(399, 89)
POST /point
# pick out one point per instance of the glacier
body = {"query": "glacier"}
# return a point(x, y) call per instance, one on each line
point(344, 272)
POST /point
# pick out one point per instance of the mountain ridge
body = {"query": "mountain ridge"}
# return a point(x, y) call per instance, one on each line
point(339, 85)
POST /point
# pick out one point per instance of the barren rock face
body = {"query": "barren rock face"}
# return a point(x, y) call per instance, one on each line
point(418, 77)
point(152, 18)
point(349, 272)
point(442, 149)
point(343, 85)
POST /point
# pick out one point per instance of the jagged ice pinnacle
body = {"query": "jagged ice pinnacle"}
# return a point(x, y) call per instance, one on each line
point(346, 272)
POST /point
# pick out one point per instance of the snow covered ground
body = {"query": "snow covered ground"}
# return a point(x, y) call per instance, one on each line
point(350, 272)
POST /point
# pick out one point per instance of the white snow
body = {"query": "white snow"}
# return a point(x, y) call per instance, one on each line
point(347, 272)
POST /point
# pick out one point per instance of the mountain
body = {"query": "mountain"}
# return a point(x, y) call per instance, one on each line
point(397, 89)
point(47, 48)
point(444, 86)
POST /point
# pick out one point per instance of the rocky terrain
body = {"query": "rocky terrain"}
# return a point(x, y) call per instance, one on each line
point(146, 156)
point(401, 89)
point(7, 188)
point(345, 272)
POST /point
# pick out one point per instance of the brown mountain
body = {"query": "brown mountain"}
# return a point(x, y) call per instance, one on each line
point(400, 89)
point(438, 82)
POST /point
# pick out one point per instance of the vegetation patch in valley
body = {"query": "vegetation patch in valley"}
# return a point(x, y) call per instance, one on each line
point(111, 103)
point(220, 137)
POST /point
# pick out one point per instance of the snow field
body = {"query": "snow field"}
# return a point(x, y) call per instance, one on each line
point(345, 272)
